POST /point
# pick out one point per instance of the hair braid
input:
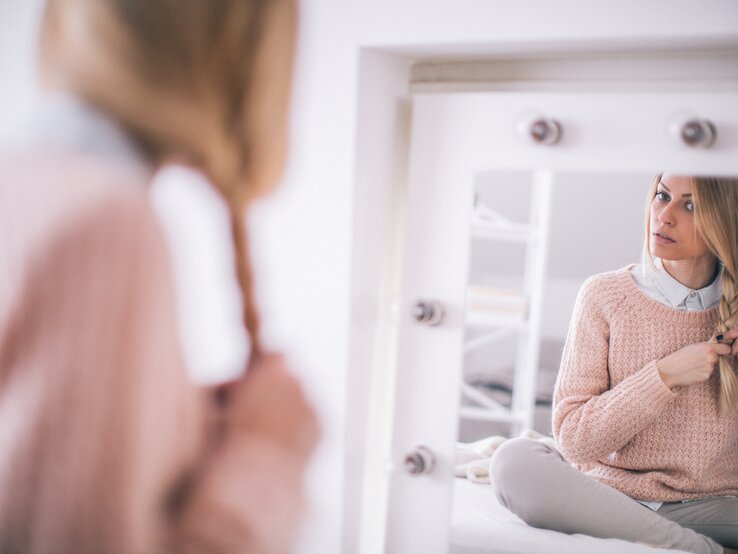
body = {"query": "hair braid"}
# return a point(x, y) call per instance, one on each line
point(244, 275)
point(716, 205)
point(213, 99)
point(728, 314)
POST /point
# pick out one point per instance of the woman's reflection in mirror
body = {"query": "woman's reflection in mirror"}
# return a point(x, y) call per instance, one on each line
point(645, 415)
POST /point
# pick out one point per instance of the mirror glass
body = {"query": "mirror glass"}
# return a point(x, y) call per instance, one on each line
point(537, 236)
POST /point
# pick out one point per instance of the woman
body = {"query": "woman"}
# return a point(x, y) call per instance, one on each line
point(640, 410)
point(105, 445)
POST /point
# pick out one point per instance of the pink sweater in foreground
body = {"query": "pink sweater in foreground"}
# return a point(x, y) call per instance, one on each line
point(103, 443)
point(613, 415)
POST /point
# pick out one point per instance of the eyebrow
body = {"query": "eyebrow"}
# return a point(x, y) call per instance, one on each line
point(669, 190)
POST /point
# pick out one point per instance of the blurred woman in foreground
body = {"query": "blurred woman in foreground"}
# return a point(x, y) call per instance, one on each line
point(105, 446)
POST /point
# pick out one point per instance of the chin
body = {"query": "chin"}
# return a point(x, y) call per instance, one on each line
point(658, 251)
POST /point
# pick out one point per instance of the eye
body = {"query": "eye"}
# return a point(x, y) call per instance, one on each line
point(662, 196)
point(689, 206)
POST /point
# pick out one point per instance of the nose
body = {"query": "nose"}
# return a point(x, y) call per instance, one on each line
point(666, 214)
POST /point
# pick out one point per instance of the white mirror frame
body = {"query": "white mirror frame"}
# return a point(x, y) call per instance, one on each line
point(386, 509)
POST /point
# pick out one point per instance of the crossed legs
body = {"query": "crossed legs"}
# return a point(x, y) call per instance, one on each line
point(534, 481)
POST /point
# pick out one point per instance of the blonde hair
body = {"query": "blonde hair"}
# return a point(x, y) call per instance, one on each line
point(184, 77)
point(716, 220)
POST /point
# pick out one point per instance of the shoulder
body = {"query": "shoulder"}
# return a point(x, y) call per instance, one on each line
point(59, 211)
point(616, 280)
point(49, 196)
point(606, 291)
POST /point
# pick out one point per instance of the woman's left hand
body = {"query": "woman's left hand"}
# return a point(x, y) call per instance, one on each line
point(730, 337)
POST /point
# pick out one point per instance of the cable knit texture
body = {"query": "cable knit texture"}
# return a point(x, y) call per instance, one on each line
point(614, 417)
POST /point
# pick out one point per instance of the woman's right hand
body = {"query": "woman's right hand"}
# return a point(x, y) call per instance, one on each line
point(692, 364)
point(270, 402)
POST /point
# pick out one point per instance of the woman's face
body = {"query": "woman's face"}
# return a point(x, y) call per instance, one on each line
point(674, 233)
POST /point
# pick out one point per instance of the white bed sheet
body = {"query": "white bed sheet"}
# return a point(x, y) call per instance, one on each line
point(480, 525)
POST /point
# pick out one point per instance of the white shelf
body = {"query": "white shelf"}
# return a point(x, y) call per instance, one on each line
point(508, 233)
point(485, 414)
point(493, 307)
point(486, 319)
point(489, 224)
point(491, 336)
point(500, 312)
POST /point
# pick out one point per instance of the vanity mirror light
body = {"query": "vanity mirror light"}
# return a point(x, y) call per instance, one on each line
point(514, 194)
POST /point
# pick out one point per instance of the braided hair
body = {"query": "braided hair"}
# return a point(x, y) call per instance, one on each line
point(196, 82)
point(716, 210)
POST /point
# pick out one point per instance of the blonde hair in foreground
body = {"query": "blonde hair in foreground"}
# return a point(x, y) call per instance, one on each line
point(716, 219)
point(205, 83)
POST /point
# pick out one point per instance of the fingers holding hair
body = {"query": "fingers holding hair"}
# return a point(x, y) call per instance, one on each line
point(722, 349)
point(729, 338)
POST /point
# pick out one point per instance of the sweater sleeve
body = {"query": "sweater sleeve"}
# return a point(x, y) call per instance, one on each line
point(116, 425)
point(591, 419)
point(249, 500)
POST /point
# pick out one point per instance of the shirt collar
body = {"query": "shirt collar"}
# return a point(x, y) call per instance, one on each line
point(64, 120)
point(678, 294)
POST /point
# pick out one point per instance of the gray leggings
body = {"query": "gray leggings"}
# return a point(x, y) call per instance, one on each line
point(535, 482)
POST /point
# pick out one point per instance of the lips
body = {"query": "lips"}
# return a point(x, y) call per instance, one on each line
point(663, 238)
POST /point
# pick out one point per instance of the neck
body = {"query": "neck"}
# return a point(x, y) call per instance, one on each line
point(694, 273)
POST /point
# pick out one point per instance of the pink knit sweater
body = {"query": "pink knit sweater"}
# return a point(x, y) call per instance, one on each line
point(613, 415)
point(97, 414)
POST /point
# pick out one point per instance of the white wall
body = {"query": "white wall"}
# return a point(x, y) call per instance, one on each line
point(304, 232)
point(17, 54)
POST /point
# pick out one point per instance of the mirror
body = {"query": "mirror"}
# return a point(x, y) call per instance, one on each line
point(537, 236)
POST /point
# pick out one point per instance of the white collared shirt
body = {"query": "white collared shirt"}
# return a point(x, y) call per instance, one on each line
point(64, 120)
point(662, 287)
